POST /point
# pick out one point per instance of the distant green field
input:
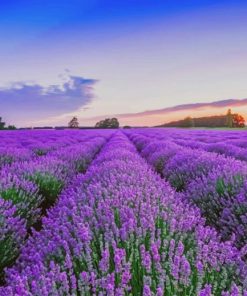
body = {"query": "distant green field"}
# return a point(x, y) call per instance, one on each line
point(221, 128)
point(209, 128)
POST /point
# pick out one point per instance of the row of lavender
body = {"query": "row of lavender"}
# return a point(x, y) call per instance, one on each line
point(215, 183)
point(121, 230)
point(30, 185)
point(27, 145)
point(232, 137)
point(228, 143)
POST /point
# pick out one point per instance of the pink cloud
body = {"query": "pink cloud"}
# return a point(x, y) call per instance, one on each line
point(153, 117)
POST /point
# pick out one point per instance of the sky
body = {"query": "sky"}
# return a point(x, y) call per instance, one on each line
point(98, 58)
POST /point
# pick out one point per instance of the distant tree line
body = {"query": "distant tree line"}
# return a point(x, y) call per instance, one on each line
point(231, 120)
point(108, 123)
point(73, 124)
point(4, 127)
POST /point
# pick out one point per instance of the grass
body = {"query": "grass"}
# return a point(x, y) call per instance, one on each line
point(219, 128)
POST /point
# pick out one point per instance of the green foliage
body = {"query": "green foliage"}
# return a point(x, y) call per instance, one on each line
point(81, 165)
point(15, 195)
point(229, 120)
point(234, 120)
point(230, 188)
point(6, 159)
point(8, 253)
point(25, 203)
point(40, 152)
point(11, 127)
point(49, 186)
point(108, 123)
point(2, 124)
point(187, 122)
point(238, 121)
point(73, 123)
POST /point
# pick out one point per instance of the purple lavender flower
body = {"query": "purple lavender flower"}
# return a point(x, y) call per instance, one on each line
point(120, 229)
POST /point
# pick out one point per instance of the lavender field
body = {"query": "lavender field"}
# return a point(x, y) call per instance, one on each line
point(123, 212)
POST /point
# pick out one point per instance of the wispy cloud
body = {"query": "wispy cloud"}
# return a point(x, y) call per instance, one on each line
point(153, 117)
point(27, 102)
point(195, 106)
point(179, 108)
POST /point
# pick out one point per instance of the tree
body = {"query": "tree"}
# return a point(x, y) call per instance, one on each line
point(238, 120)
point(114, 123)
point(73, 123)
point(108, 123)
point(187, 122)
point(2, 124)
point(234, 120)
point(11, 127)
point(229, 118)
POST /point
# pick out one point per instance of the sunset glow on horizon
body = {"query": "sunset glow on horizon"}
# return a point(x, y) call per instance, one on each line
point(165, 117)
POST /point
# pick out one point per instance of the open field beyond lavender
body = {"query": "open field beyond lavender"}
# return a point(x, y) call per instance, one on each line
point(123, 212)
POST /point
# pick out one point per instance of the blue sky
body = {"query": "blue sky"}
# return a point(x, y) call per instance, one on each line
point(127, 57)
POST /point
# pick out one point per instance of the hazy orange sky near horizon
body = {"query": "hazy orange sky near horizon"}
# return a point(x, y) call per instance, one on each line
point(177, 115)
point(155, 117)
point(151, 120)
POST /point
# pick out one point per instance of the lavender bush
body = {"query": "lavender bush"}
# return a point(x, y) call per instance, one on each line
point(211, 181)
point(121, 230)
point(12, 234)
point(29, 185)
